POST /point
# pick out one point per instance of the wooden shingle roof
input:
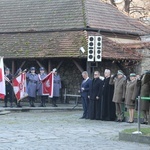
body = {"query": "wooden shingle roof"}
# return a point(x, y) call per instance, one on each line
point(43, 15)
point(58, 45)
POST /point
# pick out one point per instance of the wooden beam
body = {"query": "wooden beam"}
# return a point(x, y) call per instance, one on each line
point(58, 66)
point(40, 65)
point(22, 64)
point(78, 66)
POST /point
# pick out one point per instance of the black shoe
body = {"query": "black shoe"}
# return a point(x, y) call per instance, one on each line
point(130, 121)
point(41, 106)
point(82, 118)
point(145, 122)
point(118, 120)
point(54, 105)
point(19, 106)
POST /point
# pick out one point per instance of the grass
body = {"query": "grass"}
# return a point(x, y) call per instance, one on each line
point(145, 131)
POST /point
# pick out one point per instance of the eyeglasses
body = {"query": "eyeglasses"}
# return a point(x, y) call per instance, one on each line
point(95, 74)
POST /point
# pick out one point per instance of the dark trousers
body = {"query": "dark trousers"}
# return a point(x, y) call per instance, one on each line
point(31, 101)
point(95, 109)
point(43, 100)
point(85, 105)
point(54, 99)
point(8, 97)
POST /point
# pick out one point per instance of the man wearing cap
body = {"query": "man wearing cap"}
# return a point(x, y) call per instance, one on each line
point(130, 96)
point(32, 82)
point(41, 76)
point(9, 88)
point(56, 88)
point(119, 82)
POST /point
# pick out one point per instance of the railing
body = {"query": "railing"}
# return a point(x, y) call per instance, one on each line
point(138, 119)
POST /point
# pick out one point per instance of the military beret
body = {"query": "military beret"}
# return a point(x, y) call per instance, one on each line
point(132, 75)
point(120, 72)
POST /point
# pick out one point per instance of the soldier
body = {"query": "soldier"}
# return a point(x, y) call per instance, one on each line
point(119, 82)
point(32, 82)
point(9, 88)
point(56, 88)
point(130, 96)
point(41, 76)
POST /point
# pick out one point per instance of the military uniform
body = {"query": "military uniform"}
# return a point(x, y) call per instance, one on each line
point(119, 94)
point(56, 88)
point(9, 89)
point(32, 83)
point(43, 98)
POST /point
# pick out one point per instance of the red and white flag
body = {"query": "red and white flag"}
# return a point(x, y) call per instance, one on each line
point(19, 86)
point(2, 80)
point(47, 84)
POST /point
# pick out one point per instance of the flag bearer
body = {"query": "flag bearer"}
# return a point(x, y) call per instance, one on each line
point(9, 88)
point(41, 76)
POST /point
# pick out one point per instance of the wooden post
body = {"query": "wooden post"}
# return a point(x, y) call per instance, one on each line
point(88, 68)
point(49, 66)
point(13, 67)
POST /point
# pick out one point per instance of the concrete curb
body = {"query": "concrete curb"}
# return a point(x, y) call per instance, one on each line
point(4, 112)
point(27, 109)
point(134, 138)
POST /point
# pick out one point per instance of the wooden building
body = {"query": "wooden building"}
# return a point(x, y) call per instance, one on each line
point(49, 33)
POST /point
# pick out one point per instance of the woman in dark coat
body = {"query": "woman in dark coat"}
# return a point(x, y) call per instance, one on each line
point(95, 93)
point(130, 96)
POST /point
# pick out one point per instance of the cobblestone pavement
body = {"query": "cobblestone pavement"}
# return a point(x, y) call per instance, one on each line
point(61, 130)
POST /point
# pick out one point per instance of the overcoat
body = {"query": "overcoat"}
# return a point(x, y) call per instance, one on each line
point(32, 83)
point(108, 110)
point(119, 89)
point(95, 104)
point(39, 87)
point(57, 86)
point(145, 92)
point(131, 93)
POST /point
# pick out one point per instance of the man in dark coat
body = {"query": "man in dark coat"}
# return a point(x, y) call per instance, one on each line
point(108, 111)
point(95, 94)
point(84, 90)
point(9, 88)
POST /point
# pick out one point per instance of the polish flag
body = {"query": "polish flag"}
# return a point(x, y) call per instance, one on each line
point(19, 86)
point(47, 84)
point(2, 80)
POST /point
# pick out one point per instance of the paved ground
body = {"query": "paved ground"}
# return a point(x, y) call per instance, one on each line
point(61, 130)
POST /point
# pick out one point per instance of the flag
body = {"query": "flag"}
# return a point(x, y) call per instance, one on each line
point(2, 80)
point(19, 86)
point(47, 85)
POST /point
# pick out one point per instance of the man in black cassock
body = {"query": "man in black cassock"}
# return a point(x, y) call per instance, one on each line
point(95, 93)
point(108, 111)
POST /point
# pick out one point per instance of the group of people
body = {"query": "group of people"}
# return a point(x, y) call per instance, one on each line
point(106, 99)
point(34, 87)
